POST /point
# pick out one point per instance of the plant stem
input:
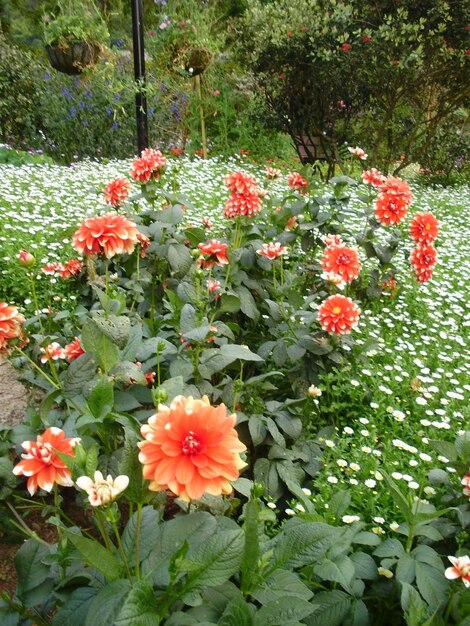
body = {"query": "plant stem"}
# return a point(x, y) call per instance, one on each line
point(21, 525)
point(35, 300)
point(103, 531)
point(37, 368)
point(121, 550)
point(137, 540)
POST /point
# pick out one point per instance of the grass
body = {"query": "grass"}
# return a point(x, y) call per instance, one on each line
point(385, 409)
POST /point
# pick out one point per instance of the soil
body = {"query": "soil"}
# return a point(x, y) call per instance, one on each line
point(13, 396)
point(13, 400)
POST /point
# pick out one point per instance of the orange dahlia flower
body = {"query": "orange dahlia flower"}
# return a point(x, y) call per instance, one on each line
point(272, 250)
point(117, 191)
point(338, 315)
point(424, 228)
point(423, 257)
point(71, 268)
point(390, 209)
point(191, 448)
point(109, 234)
point(73, 350)
point(241, 183)
point(373, 177)
point(342, 261)
point(296, 181)
point(10, 325)
point(397, 187)
point(41, 463)
point(148, 166)
point(212, 253)
point(248, 204)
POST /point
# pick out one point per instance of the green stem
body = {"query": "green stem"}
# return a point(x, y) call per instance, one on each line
point(38, 369)
point(137, 540)
point(106, 282)
point(103, 531)
point(36, 302)
point(121, 550)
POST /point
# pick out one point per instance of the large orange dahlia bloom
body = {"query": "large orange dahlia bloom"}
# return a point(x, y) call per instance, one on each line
point(117, 191)
point(424, 227)
point(247, 204)
point(393, 201)
point(109, 234)
point(342, 261)
point(296, 181)
point(42, 465)
point(338, 315)
point(191, 448)
point(241, 183)
point(10, 325)
point(149, 166)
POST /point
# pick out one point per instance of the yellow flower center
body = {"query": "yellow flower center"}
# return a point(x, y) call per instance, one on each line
point(337, 310)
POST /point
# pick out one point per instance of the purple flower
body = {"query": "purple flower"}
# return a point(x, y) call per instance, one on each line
point(65, 92)
point(47, 76)
point(116, 98)
point(108, 111)
point(88, 95)
point(115, 125)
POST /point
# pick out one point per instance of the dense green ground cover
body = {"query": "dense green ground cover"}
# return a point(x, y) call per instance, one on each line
point(385, 408)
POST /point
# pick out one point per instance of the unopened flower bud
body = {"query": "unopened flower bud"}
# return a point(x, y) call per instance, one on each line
point(26, 259)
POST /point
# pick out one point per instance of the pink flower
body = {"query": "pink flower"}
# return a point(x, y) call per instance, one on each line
point(373, 177)
point(460, 569)
point(272, 250)
point(359, 152)
point(213, 285)
point(53, 351)
point(216, 93)
point(466, 484)
point(296, 181)
point(346, 47)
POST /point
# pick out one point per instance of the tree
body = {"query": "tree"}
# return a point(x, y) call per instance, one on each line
point(385, 73)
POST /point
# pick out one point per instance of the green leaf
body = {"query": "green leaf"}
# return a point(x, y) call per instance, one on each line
point(34, 578)
point(229, 303)
point(128, 373)
point(339, 503)
point(303, 543)
point(257, 428)
point(432, 584)
point(74, 611)
point(445, 448)
point(78, 374)
point(366, 568)
point(107, 604)
point(340, 571)
point(239, 352)
point(265, 472)
point(216, 560)
point(283, 610)
point(251, 550)
point(413, 605)
point(405, 571)
point(149, 530)
point(94, 340)
point(180, 259)
point(236, 613)
point(389, 548)
point(101, 398)
point(398, 497)
point(331, 609)
point(116, 328)
point(96, 555)
point(188, 319)
point(196, 528)
point(248, 305)
point(139, 608)
point(129, 465)
point(281, 583)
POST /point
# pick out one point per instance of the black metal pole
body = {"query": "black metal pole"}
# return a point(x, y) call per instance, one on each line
point(139, 74)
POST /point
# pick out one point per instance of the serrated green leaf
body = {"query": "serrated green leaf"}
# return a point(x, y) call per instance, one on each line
point(331, 607)
point(341, 571)
point(78, 374)
point(34, 577)
point(180, 259)
point(129, 465)
point(216, 560)
point(248, 305)
point(283, 610)
point(116, 328)
point(302, 544)
point(96, 555)
point(149, 529)
point(389, 548)
point(236, 613)
point(281, 583)
point(140, 607)
point(107, 604)
point(74, 611)
point(101, 398)
point(432, 584)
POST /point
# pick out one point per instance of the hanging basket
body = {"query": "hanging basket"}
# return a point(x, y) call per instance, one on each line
point(73, 58)
point(197, 61)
